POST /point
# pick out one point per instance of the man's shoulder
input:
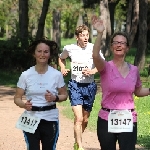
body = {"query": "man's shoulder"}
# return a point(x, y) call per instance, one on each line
point(90, 46)
point(70, 46)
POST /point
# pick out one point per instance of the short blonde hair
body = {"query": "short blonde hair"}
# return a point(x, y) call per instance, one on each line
point(80, 29)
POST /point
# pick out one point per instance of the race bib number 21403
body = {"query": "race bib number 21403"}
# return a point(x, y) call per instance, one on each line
point(77, 68)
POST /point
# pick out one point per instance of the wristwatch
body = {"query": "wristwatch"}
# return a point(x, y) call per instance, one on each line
point(57, 99)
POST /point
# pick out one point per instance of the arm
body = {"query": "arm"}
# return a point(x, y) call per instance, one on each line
point(98, 60)
point(62, 95)
point(88, 72)
point(18, 100)
point(140, 91)
point(62, 62)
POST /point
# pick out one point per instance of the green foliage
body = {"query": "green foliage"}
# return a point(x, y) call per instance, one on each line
point(12, 57)
point(9, 78)
point(120, 14)
point(67, 41)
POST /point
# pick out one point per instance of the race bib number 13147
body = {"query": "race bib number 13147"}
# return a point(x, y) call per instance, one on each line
point(120, 121)
point(27, 123)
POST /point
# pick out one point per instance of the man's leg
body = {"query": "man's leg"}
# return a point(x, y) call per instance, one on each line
point(86, 116)
point(78, 124)
point(88, 93)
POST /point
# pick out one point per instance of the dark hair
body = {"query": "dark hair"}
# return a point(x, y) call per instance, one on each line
point(52, 45)
point(120, 33)
point(80, 29)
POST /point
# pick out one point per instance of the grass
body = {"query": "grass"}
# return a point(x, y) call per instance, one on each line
point(142, 104)
point(142, 108)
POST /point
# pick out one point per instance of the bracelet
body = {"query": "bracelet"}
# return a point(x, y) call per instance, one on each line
point(57, 99)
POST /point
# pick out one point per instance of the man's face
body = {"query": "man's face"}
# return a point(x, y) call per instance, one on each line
point(82, 39)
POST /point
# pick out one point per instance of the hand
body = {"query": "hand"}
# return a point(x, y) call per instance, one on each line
point(97, 24)
point(65, 71)
point(87, 72)
point(28, 105)
point(49, 96)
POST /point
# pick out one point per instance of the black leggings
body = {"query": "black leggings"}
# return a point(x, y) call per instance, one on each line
point(46, 133)
point(107, 140)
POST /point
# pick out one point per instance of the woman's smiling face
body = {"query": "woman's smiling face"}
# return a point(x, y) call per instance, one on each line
point(42, 53)
point(119, 45)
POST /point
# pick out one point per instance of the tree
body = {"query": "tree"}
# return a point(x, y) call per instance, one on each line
point(132, 19)
point(105, 16)
point(23, 23)
point(41, 23)
point(142, 39)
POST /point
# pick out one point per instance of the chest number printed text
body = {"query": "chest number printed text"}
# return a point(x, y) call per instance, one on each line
point(78, 68)
point(30, 122)
point(120, 121)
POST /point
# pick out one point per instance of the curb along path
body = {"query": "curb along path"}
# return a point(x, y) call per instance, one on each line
point(12, 138)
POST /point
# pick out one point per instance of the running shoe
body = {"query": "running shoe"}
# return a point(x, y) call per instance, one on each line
point(80, 149)
point(75, 146)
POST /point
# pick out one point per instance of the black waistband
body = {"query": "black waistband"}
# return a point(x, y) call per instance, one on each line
point(43, 108)
point(110, 109)
point(81, 84)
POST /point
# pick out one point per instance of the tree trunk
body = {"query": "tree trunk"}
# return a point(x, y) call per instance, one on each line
point(112, 6)
point(105, 16)
point(41, 24)
point(132, 20)
point(56, 35)
point(23, 23)
point(129, 16)
point(142, 39)
point(56, 27)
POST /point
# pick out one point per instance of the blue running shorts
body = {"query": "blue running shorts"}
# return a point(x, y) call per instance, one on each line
point(82, 94)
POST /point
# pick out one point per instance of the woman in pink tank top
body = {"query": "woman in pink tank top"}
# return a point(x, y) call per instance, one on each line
point(120, 81)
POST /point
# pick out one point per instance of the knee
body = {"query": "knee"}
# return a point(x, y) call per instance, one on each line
point(79, 120)
point(85, 121)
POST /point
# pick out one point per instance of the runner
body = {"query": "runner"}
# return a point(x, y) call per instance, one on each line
point(43, 86)
point(117, 119)
point(82, 88)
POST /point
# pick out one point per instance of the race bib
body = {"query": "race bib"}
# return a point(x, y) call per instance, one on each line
point(120, 121)
point(77, 68)
point(27, 123)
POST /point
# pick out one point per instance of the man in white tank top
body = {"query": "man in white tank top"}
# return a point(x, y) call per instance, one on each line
point(81, 86)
